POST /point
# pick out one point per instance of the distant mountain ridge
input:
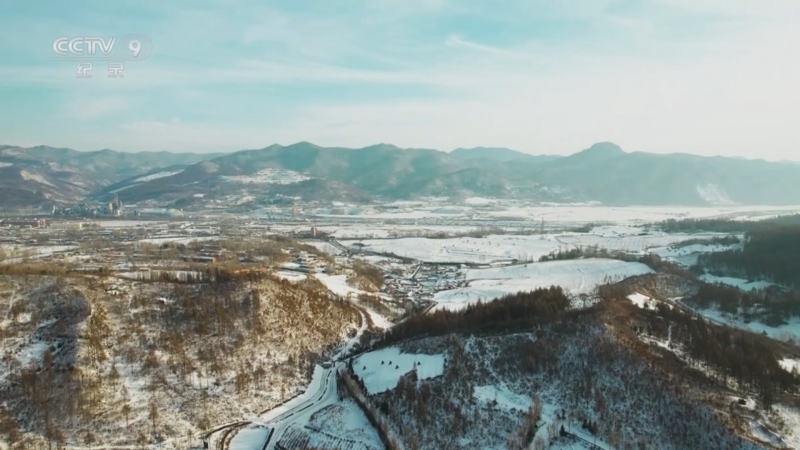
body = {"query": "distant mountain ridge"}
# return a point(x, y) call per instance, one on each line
point(498, 154)
point(42, 174)
point(601, 173)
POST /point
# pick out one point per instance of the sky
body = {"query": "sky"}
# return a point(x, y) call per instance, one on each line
point(711, 77)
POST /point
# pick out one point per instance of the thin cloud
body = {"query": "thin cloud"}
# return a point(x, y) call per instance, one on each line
point(457, 41)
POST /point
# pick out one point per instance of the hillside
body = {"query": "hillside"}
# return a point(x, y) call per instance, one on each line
point(525, 372)
point(91, 360)
point(607, 174)
point(48, 175)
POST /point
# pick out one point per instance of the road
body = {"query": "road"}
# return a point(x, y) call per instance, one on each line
point(325, 395)
point(300, 410)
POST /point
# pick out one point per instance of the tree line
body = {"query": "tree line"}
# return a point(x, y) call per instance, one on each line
point(771, 253)
point(771, 306)
point(511, 312)
point(725, 225)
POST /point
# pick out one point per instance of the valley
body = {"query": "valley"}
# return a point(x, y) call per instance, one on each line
point(245, 332)
point(399, 225)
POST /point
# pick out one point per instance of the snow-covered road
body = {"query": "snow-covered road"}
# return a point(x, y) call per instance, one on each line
point(325, 395)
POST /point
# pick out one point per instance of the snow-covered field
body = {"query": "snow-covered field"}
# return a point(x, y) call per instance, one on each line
point(740, 283)
point(687, 256)
point(575, 276)
point(565, 214)
point(381, 370)
point(269, 176)
point(629, 238)
point(526, 247)
point(466, 249)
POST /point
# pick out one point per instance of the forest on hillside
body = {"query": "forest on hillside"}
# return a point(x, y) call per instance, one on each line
point(770, 252)
point(511, 312)
point(725, 225)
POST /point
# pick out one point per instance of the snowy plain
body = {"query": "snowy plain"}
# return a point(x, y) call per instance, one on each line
point(508, 247)
point(576, 277)
point(494, 209)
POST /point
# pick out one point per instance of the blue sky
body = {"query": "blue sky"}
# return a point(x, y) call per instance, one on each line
point(713, 77)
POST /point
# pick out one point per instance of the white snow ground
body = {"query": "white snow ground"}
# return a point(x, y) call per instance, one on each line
point(467, 249)
point(527, 247)
point(790, 364)
point(740, 283)
point(578, 276)
point(250, 438)
point(269, 176)
point(642, 301)
point(687, 256)
point(158, 175)
point(377, 369)
point(338, 285)
point(791, 417)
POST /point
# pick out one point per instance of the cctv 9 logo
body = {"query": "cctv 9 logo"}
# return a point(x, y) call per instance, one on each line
point(131, 47)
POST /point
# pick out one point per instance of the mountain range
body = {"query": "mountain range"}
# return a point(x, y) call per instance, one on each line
point(602, 173)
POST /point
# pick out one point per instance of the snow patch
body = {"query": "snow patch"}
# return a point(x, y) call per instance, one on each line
point(28, 176)
point(789, 364)
point(642, 301)
point(381, 370)
point(157, 175)
point(124, 188)
point(740, 283)
point(269, 176)
point(714, 194)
